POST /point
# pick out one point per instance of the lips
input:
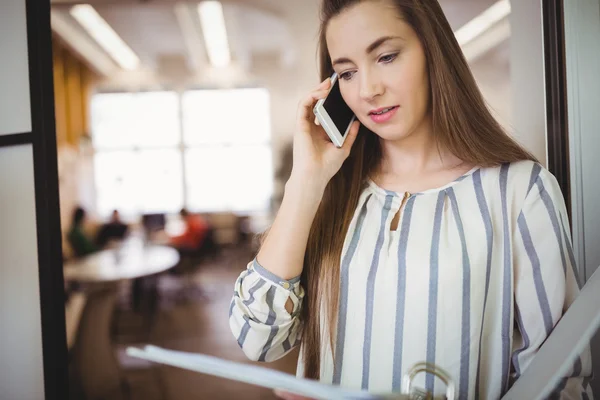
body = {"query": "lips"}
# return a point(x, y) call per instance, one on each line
point(382, 110)
point(383, 114)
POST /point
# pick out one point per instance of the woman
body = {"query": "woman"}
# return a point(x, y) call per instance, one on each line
point(429, 236)
point(80, 243)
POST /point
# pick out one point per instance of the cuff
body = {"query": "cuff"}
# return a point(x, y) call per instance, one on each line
point(287, 284)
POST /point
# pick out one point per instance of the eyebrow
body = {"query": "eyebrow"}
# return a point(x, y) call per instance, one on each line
point(371, 48)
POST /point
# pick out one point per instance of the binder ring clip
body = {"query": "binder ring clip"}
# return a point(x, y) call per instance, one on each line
point(428, 368)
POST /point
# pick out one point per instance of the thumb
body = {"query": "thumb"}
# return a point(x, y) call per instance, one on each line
point(352, 135)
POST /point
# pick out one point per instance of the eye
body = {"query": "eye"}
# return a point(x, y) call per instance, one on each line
point(347, 75)
point(388, 58)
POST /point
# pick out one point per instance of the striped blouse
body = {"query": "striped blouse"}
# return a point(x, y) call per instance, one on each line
point(474, 279)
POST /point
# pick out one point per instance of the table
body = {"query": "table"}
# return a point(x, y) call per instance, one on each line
point(93, 356)
point(133, 259)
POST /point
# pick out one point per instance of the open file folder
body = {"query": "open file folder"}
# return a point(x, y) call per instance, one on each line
point(558, 353)
point(247, 373)
point(560, 350)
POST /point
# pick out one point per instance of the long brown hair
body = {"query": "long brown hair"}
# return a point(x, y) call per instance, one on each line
point(461, 123)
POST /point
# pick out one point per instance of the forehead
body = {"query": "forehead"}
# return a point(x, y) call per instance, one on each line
point(355, 28)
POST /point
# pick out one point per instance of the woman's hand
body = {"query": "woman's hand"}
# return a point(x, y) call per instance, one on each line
point(316, 158)
point(290, 396)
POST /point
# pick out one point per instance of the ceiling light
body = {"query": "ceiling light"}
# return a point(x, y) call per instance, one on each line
point(483, 22)
point(215, 34)
point(106, 37)
point(69, 31)
point(187, 18)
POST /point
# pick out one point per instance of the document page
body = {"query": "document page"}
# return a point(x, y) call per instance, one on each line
point(250, 374)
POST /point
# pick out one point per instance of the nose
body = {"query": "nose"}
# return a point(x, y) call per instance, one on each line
point(370, 86)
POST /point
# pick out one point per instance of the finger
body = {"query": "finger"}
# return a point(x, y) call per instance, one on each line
point(317, 121)
point(318, 95)
point(306, 105)
point(325, 84)
point(352, 134)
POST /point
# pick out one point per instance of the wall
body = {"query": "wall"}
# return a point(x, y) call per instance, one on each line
point(73, 85)
point(73, 82)
point(21, 360)
point(15, 115)
point(492, 73)
point(528, 99)
point(20, 326)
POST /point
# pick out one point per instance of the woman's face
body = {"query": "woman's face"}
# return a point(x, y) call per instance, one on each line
point(382, 68)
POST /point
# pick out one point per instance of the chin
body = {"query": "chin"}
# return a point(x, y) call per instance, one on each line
point(390, 132)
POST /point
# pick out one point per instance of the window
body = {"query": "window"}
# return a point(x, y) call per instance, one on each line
point(140, 120)
point(235, 178)
point(228, 158)
point(209, 150)
point(226, 117)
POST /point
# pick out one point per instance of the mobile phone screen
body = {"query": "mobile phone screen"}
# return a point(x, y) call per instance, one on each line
point(336, 107)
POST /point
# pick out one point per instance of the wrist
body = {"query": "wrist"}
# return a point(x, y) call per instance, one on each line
point(308, 183)
point(306, 190)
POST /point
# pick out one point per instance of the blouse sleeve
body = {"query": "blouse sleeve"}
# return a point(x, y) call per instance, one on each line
point(264, 329)
point(546, 282)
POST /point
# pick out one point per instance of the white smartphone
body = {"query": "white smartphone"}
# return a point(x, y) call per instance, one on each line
point(334, 115)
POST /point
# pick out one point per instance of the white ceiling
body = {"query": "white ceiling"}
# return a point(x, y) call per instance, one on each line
point(256, 28)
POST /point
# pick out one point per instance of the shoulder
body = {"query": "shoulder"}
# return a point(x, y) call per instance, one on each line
point(520, 175)
point(520, 181)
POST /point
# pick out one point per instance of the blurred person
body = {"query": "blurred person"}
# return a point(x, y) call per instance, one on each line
point(430, 235)
point(195, 231)
point(115, 229)
point(80, 243)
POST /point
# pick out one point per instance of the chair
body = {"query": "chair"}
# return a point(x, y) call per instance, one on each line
point(191, 261)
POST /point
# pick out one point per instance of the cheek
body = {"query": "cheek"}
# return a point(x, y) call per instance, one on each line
point(420, 81)
point(350, 94)
point(422, 93)
point(409, 77)
point(412, 87)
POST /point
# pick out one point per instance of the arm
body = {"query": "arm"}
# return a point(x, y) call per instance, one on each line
point(546, 281)
point(315, 161)
point(264, 312)
point(282, 252)
point(264, 328)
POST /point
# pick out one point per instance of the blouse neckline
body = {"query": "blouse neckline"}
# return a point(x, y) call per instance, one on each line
point(376, 188)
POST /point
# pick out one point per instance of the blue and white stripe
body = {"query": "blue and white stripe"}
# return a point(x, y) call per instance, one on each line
point(474, 278)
